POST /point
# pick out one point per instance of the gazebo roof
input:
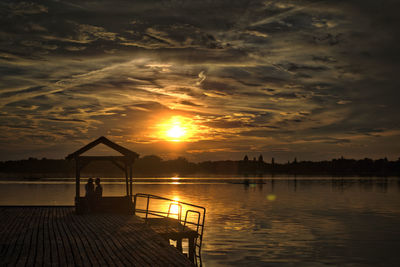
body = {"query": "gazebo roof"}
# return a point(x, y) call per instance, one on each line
point(103, 140)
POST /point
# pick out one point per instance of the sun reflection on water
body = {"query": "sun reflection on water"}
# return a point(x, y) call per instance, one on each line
point(175, 180)
point(174, 208)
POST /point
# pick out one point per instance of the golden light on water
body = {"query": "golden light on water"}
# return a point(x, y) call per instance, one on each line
point(174, 209)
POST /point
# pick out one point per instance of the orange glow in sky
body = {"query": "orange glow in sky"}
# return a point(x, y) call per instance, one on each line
point(177, 129)
point(176, 132)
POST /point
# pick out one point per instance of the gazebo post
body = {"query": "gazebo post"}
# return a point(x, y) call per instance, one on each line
point(130, 178)
point(126, 178)
point(77, 181)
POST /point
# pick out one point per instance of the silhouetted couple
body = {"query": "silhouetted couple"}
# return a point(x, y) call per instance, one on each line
point(93, 195)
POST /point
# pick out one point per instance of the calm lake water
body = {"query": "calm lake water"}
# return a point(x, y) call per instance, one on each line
point(280, 221)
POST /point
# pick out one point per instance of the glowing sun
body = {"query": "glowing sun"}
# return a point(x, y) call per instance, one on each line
point(176, 129)
point(176, 132)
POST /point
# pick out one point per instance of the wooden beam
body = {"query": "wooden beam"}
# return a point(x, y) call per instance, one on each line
point(102, 140)
point(118, 165)
point(120, 149)
point(82, 163)
point(84, 149)
point(91, 158)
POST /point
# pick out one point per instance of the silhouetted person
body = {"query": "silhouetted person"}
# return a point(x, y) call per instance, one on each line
point(98, 192)
point(89, 187)
point(246, 183)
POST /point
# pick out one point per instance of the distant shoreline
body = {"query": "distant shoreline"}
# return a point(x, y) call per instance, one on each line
point(153, 166)
point(282, 176)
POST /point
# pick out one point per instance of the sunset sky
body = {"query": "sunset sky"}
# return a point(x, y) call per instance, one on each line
point(206, 80)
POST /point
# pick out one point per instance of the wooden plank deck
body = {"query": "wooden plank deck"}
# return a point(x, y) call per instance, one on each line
point(56, 236)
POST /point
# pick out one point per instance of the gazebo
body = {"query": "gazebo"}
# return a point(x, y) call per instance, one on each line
point(114, 204)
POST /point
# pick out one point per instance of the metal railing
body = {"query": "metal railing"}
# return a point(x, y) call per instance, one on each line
point(191, 211)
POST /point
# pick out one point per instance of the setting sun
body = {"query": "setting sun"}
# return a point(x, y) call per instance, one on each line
point(176, 132)
point(179, 129)
point(176, 129)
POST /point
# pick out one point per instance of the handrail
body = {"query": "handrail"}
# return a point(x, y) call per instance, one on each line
point(198, 218)
point(199, 224)
point(164, 198)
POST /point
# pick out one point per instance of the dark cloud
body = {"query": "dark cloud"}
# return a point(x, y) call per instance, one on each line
point(286, 95)
point(287, 77)
point(28, 90)
point(69, 120)
point(189, 103)
point(295, 67)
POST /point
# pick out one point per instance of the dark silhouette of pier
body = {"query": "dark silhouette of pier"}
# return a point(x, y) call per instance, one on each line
point(100, 230)
point(57, 236)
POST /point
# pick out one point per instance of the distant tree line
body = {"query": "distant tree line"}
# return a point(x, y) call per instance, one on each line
point(155, 166)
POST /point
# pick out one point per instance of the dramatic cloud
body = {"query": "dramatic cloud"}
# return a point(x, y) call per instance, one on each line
point(306, 79)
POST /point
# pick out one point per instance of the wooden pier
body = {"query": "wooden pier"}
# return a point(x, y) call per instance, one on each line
point(57, 236)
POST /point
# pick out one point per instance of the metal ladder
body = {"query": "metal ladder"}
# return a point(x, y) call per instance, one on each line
point(199, 239)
